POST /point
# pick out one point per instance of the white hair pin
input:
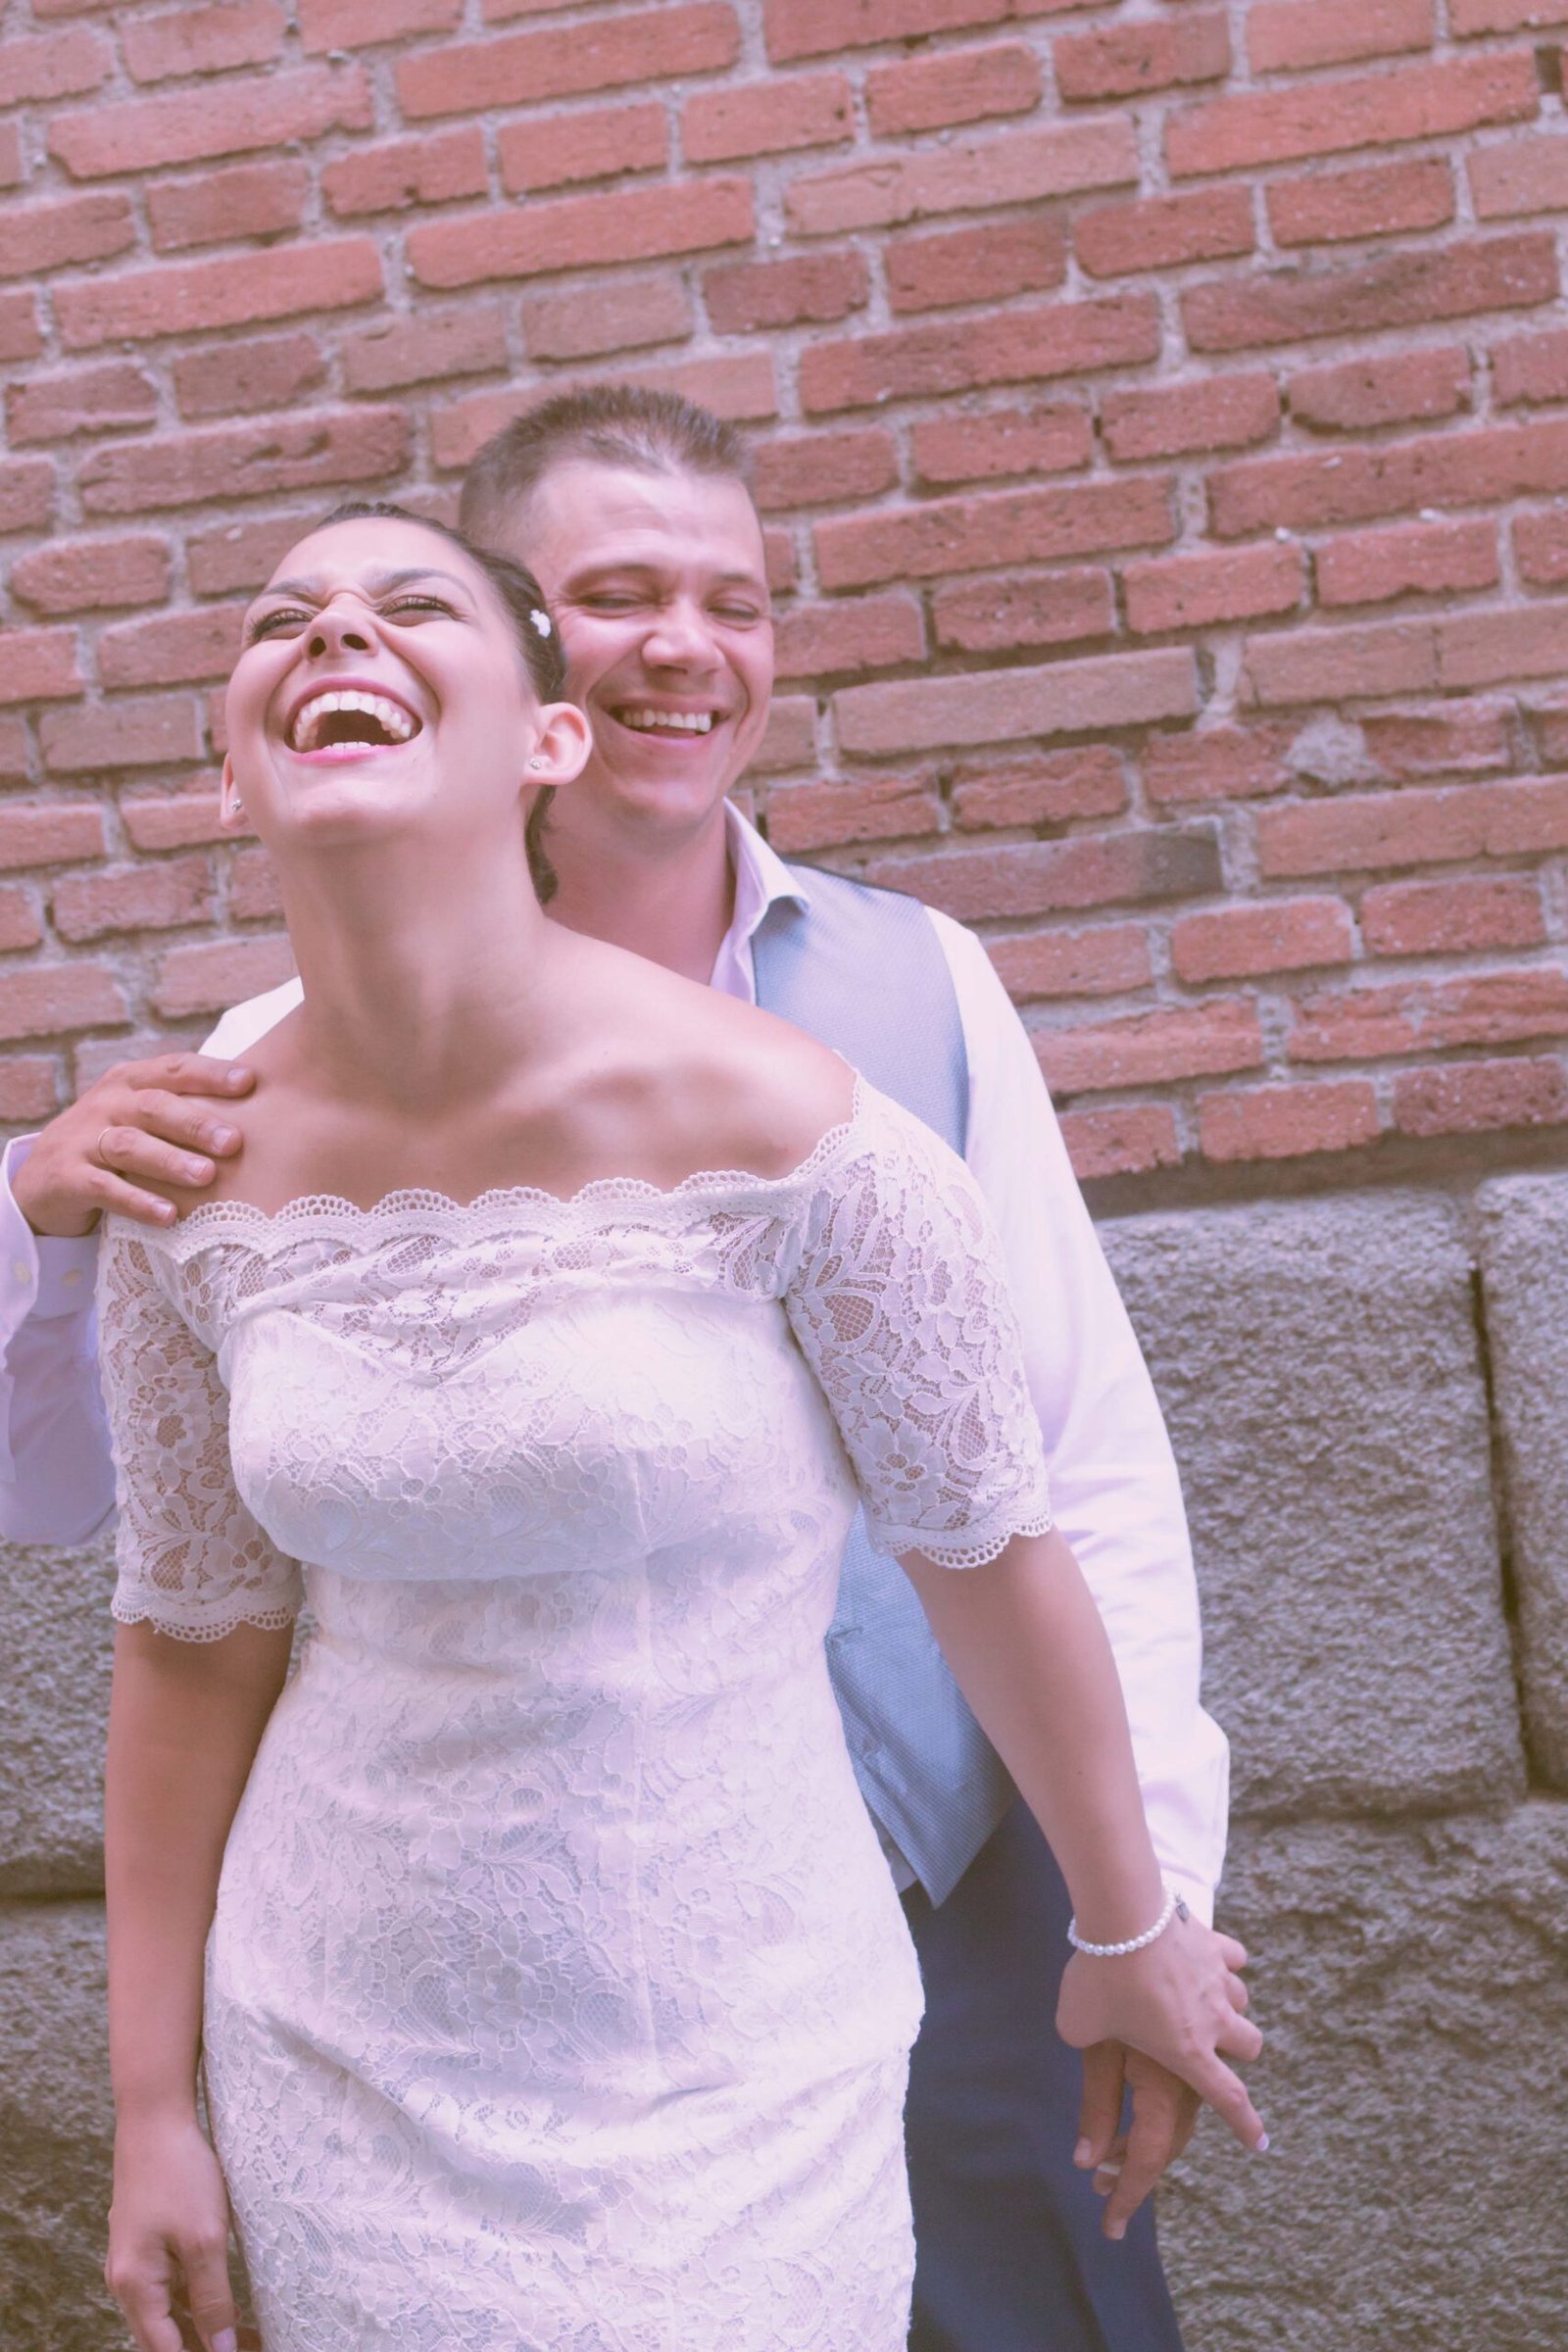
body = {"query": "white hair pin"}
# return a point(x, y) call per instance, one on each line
point(541, 621)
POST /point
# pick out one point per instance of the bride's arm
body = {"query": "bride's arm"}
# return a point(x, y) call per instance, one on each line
point(184, 1722)
point(1029, 1653)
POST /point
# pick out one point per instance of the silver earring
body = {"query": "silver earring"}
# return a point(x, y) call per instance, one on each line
point(536, 762)
point(236, 806)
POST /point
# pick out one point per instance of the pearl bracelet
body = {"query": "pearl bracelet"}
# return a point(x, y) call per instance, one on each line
point(1175, 1908)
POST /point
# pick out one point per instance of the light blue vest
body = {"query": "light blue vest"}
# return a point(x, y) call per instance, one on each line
point(863, 970)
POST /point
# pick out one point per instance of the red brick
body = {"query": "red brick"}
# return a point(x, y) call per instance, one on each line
point(1124, 61)
point(203, 40)
point(237, 289)
point(16, 757)
point(56, 65)
point(248, 200)
point(530, 69)
point(1022, 167)
point(222, 379)
point(1287, 1122)
point(1443, 826)
point(1017, 346)
point(177, 821)
point(1373, 110)
point(26, 494)
point(1288, 35)
point(321, 449)
point(955, 86)
point(422, 348)
point(1451, 918)
point(810, 27)
point(133, 898)
point(1002, 526)
point(975, 264)
point(1012, 705)
point(1220, 763)
point(768, 118)
point(12, 166)
point(187, 126)
point(1164, 232)
point(1221, 412)
point(751, 297)
point(791, 738)
point(366, 23)
point(242, 555)
point(995, 615)
point(48, 999)
point(20, 925)
point(583, 233)
point(39, 666)
point(1393, 289)
point(1327, 207)
point(253, 892)
point(1464, 469)
point(174, 649)
point(1452, 739)
point(1480, 649)
point(80, 400)
point(1004, 441)
point(1148, 1049)
point(1043, 877)
point(1395, 389)
point(1541, 546)
point(1470, 17)
point(819, 816)
point(29, 1089)
point(1421, 559)
point(552, 150)
point(402, 173)
point(50, 833)
point(819, 470)
point(869, 632)
point(83, 575)
point(621, 314)
point(1476, 1096)
point(1277, 934)
point(1049, 789)
point(1111, 962)
point(1336, 665)
point(1530, 369)
point(1130, 1141)
point(219, 973)
point(1424, 1016)
point(35, 238)
point(739, 385)
point(21, 337)
point(1204, 591)
point(1522, 176)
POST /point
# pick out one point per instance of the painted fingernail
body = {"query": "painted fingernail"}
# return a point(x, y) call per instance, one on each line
point(1084, 2153)
point(225, 2340)
point(1262, 2143)
point(1116, 2230)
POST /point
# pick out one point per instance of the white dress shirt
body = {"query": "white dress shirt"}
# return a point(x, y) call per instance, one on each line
point(1113, 1482)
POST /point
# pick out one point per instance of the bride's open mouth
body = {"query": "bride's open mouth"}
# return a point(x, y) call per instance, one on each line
point(350, 722)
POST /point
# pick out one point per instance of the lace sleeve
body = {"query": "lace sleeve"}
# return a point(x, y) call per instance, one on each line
point(900, 1304)
point(192, 1561)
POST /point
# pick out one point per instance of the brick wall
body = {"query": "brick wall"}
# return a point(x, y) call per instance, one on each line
point(1163, 410)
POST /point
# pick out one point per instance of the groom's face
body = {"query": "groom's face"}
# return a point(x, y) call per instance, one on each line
point(658, 584)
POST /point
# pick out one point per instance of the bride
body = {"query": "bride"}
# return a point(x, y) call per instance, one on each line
point(556, 1997)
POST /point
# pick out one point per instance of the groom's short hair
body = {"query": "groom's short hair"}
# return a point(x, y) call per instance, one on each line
point(607, 424)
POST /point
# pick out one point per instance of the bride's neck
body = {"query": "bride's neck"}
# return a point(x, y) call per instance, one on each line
point(424, 978)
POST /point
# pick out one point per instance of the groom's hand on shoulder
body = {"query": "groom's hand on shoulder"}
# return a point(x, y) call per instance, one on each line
point(159, 1121)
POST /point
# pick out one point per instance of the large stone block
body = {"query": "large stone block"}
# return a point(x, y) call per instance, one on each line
point(1320, 1372)
point(1412, 1989)
point(1524, 1267)
point(56, 1640)
point(56, 2129)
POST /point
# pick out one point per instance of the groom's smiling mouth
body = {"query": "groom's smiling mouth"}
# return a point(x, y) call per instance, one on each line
point(686, 723)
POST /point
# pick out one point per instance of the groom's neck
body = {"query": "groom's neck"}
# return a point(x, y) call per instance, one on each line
point(673, 902)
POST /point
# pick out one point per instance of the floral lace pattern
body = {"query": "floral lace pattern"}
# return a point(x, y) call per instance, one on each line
point(558, 1999)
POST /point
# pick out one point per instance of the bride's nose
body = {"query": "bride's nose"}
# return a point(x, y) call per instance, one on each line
point(337, 633)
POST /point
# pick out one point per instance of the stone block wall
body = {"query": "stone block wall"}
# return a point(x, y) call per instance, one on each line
point(1365, 1394)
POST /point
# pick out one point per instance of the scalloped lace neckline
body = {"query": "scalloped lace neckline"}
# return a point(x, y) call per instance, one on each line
point(309, 1209)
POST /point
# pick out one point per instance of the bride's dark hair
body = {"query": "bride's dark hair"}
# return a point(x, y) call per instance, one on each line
point(538, 640)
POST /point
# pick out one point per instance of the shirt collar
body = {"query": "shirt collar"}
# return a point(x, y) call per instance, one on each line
point(762, 877)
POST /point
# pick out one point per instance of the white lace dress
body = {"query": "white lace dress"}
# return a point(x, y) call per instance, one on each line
point(559, 1998)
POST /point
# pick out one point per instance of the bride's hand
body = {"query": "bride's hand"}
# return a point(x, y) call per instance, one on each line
point(169, 2238)
point(1180, 2001)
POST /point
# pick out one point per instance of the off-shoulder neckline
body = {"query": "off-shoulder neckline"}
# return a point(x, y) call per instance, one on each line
point(313, 1208)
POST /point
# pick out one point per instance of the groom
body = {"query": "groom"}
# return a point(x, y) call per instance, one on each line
point(633, 511)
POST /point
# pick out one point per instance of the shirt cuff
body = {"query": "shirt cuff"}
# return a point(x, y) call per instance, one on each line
point(1194, 1893)
point(40, 1277)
